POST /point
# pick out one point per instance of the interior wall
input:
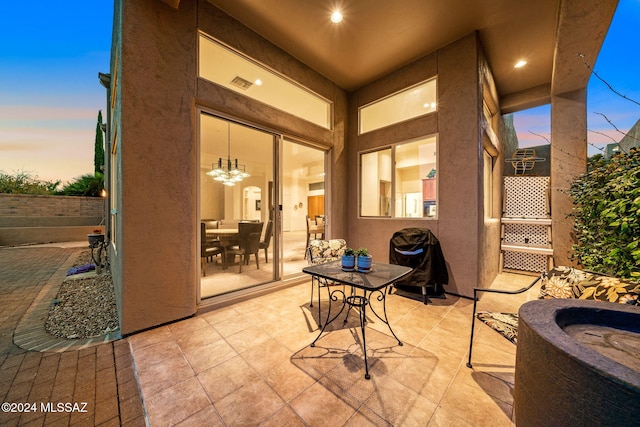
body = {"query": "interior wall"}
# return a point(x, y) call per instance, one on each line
point(460, 162)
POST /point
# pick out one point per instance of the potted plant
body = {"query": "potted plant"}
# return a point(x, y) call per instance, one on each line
point(364, 259)
point(349, 259)
point(96, 237)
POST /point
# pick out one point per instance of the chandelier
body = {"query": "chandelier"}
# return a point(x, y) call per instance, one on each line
point(226, 172)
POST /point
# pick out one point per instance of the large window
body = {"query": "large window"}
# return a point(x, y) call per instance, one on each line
point(226, 67)
point(407, 104)
point(400, 181)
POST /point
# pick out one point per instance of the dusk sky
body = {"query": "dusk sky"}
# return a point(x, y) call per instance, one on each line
point(619, 65)
point(50, 94)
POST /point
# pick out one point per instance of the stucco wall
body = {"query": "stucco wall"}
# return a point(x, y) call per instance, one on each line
point(460, 222)
point(157, 105)
point(156, 238)
point(28, 219)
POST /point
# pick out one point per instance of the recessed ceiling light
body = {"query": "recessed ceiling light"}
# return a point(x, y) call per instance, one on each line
point(258, 82)
point(520, 64)
point(336, 17)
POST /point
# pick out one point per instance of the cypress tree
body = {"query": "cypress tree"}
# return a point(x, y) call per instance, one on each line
point(98, 148)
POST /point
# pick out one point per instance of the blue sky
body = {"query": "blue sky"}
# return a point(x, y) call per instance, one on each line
point(50, 94)
point(619, 65)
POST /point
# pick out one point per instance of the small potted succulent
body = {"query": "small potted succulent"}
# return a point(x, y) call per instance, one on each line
point(349, 259)
point(364, 260)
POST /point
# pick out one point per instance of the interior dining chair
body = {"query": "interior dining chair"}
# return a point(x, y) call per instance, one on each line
point(313, 229)
point(208, 248)
point(248, 243)
point(264, 244)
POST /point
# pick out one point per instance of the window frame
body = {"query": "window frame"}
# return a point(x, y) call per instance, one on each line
point(393, 183)
point(398, 93)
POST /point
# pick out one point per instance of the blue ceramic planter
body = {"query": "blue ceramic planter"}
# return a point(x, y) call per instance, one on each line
point(364, 263)
point(348, 262)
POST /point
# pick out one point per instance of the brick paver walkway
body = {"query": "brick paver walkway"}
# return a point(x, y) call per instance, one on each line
point(92, 386)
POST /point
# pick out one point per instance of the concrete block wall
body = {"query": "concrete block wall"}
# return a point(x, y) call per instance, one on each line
point(30, 219)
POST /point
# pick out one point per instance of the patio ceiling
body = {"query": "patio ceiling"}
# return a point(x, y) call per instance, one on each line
point(379, 36)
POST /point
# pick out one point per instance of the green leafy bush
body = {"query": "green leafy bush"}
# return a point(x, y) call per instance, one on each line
point(24, 183)
point(87, 185)
point(607, 215)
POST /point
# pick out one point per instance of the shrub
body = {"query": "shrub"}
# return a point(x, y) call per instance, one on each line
point(87, 185)
point(607, 215)
point(24, 183)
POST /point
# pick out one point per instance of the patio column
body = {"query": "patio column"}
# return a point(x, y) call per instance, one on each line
point(568, 160)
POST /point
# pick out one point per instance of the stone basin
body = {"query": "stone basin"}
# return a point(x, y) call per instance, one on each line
point(577, 363)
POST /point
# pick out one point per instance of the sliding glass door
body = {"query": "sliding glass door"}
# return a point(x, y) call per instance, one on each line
point(240, 185)
point(236, 188)
point(303, 199)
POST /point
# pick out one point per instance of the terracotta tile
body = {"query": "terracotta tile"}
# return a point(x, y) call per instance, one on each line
point(295, 338)
point(226, 378)
point(446, 418)
point(232, 326)
point(247, 339)
point(318, 406)
point(205, 417)
point(366, 417)
point(150, 337)
point(203, 337)
point(454, 343)
point(157, 353)
point(176, 403)
point(496, 384)
point(234, 409)
point(207, 356)
point(187, 326)
point(219, 315)
point(287, 380)
point(474, 405)
point(159, 376)
point(400, 405)
point(266, 355)
point(285, 417)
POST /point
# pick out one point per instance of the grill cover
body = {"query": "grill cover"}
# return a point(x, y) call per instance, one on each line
point(419, 249)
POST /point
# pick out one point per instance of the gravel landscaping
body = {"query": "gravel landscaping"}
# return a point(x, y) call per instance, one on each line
point(85, 306)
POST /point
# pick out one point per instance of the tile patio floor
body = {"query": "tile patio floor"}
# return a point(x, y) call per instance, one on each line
point(251, 364)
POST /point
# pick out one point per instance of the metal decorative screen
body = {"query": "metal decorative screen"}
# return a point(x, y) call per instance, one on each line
point(525, 262)
point(526, 196)
point(526, 224)
point(526, 234)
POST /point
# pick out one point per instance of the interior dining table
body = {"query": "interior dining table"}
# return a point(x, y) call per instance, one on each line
point(217, 232)
point(226, 236)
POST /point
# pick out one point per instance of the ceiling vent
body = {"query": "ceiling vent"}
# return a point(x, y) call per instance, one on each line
point(241, 83)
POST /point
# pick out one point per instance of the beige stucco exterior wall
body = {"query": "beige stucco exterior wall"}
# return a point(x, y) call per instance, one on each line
point(568, 160)
point(467, 242)
point(156, 242)
point(159, 95)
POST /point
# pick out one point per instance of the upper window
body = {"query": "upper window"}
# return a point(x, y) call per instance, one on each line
point(226, 67)
point(400, 181)
point(410, 103)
